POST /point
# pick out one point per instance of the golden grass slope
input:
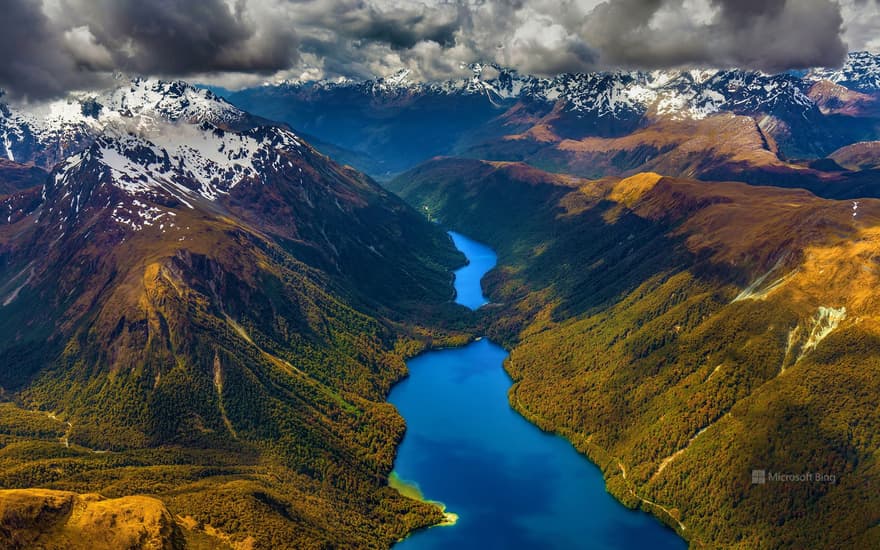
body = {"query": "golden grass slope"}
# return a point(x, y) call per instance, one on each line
point(629, 190)
point(62, 520)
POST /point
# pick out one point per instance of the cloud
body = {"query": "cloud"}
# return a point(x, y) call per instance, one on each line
point(78, 43)
point(768, 35)
point(37, 61)
point(65, 44)
point(183, 37)
point(861, 24)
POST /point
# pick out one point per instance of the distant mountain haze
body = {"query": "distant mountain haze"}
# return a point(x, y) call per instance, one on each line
point(633, 120)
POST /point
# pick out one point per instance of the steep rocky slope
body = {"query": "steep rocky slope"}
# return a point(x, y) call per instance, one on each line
point(16, 177)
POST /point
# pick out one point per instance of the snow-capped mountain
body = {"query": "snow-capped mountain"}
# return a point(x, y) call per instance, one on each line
point(146, 154)
point(860, 72)
point(678, 94)
point(185, 162)
point(162, 162)
point(144, 177)
point(46, 133)
point(403, 122)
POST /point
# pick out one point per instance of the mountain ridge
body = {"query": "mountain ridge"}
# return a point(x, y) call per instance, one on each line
point(806, 116)
point(683, 333)
point(205, 309)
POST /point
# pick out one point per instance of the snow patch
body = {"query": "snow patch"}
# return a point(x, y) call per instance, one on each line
point(7, 144)
point(190, 161)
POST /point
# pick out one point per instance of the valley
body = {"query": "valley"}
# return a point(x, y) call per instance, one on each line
point(506, 482)
point(218, 329)
point(670, 328)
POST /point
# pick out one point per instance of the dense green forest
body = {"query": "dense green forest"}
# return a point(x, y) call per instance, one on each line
point(238, 374)
point(682, 334)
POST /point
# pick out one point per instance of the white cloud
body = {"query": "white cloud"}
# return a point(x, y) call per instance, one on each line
point(861, 20)
point(85, 49)
point(242, 42)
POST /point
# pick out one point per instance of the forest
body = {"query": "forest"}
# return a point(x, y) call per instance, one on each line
point(679, 336)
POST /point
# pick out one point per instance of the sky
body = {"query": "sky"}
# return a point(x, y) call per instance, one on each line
point(54, 46)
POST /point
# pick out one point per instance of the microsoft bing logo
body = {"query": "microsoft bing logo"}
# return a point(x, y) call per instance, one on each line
point(760, 477)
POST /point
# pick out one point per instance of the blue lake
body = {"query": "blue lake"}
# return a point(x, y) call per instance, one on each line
point(481, 259)
point(511, 485)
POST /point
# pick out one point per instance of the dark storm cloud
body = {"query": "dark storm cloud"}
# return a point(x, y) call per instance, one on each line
point(400, 29)
point(55, 45)
point(769, 35)
point(776, 35)
point(184, 36)
point(35, 63)
point(741, 12)
point(92, 38)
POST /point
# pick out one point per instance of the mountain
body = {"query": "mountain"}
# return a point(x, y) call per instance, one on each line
point(652, 113)
point(16, 177)
point(684, 333)
point(389, 125)
point(858, 156)
point(860, 72)
point(403, 123)
point(44, 134)
point(200, 307)
point(834, 99)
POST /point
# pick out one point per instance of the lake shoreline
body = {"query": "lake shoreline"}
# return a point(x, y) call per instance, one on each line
point(510, 482)
point(410, 489)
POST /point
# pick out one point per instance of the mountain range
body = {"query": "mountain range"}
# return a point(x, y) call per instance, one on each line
point(198, 304)
point(390, 124)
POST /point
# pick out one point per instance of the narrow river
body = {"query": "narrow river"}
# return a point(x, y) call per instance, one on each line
point(510, 484)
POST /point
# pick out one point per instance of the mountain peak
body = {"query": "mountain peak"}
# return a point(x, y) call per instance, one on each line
point(860, 72)
point(399, 78)
point(181, 162)
point(136, 106)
